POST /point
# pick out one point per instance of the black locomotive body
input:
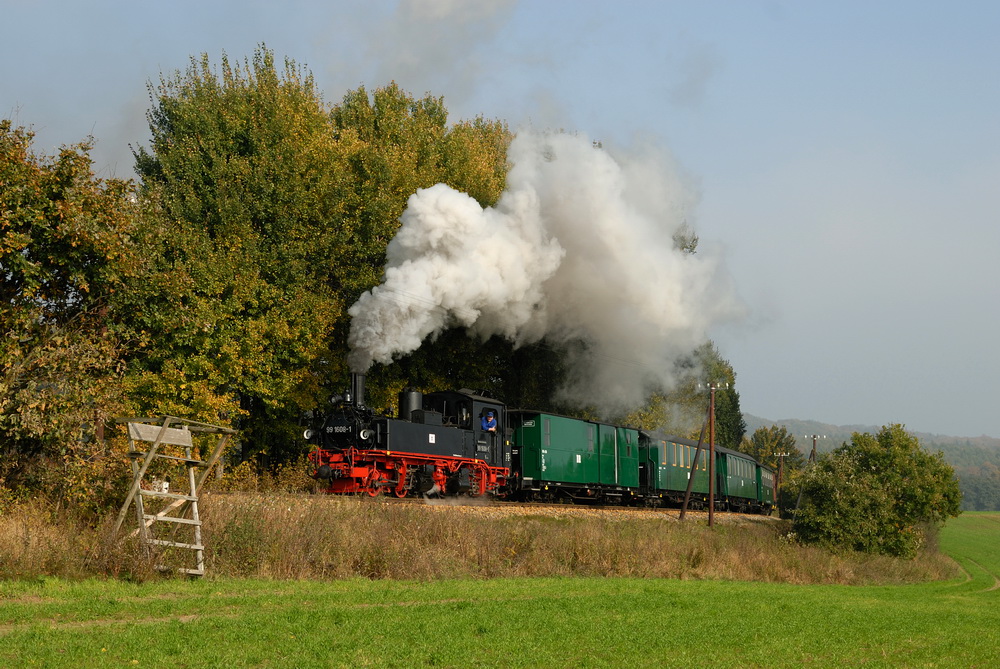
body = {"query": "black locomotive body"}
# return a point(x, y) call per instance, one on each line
point(441, 442)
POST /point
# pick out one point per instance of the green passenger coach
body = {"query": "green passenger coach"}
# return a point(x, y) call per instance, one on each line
point(669, 462)
point(557, 458)
point(737, 478)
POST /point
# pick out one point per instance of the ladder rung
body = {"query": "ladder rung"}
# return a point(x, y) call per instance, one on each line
point(168, 495)
point(172, 519)
point(175, 544)
point(190, 461)
point(184, 570)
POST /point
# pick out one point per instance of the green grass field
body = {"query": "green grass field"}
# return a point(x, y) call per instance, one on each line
point(571, 622)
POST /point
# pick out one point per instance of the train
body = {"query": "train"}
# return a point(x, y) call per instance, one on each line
point(460, 442)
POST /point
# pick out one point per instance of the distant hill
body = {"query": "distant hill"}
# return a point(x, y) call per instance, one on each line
point(985, 447)
point(976, 459)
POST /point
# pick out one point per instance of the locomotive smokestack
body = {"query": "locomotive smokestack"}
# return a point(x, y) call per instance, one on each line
point(358, 388)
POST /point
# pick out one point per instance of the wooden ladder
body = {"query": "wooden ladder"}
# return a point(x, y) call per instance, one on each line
point(181, 513)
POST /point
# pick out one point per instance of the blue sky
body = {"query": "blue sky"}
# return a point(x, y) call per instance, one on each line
point(846, 154)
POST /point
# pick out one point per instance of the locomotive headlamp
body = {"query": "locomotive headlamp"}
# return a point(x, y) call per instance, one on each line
point(307, 435)
point(365, 434)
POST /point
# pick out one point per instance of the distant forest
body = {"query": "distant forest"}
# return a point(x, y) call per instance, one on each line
point(976, 459)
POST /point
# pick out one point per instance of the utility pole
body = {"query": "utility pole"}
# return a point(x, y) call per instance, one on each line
point(694, 467)
point(811, 460)
point(814, 437)
point(777, 484)
point(711, 452)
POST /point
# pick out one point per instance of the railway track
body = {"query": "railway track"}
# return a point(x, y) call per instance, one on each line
point(494, 508)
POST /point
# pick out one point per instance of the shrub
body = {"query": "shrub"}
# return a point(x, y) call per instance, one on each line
point(878, 494)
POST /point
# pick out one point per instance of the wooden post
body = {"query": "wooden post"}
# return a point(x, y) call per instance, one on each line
point(711, 459)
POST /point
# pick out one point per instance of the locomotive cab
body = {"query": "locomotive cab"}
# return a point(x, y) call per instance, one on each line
point(468, 412)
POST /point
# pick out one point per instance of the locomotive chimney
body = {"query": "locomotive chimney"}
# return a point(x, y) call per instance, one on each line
point(358, 389)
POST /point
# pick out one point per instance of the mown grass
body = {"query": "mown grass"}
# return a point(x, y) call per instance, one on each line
point(592, 621)
point(526, 622)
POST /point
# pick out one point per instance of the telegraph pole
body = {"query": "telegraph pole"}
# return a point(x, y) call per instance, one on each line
point(777, 485)
point(711, 452)
point(811, 460)
point(711, 457)
point(814, 437)
point(694, 466)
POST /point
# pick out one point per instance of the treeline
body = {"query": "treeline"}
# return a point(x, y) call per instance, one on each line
point(216, 286)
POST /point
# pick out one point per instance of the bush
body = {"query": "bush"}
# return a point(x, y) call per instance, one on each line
point(879, 494)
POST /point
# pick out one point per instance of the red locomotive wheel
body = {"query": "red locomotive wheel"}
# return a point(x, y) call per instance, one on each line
point(371, 484)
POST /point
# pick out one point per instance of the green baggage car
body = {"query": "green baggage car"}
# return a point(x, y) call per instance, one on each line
point(562, 458)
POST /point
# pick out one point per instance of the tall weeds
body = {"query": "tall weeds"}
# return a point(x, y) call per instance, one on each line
point(282, 536)
point(322, 537)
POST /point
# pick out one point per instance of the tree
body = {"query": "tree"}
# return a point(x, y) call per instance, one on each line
point(243, 186)
point(767, 443)
point(981, 487)
point(278, 210)
point(682, 410)
point(395, 145)
point(775, 447)
point(64, 253)
point(877, 494)
point(729, 424)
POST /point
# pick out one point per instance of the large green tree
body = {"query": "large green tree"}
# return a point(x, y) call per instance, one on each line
point(267, 214)
point(877, 494)
point(65, 253)
point(243, 187)
point(395, 144)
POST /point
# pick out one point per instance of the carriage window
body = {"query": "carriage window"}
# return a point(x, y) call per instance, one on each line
point(548, 431)
point(590, 438)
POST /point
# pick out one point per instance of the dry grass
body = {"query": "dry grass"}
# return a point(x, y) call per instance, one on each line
point(282, 536)
point(315, 537)
point(36, 541)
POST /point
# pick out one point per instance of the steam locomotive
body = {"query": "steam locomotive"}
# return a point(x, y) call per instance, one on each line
point(443, 443)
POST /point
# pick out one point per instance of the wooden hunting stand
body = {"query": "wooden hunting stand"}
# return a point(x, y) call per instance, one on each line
point(168, 514)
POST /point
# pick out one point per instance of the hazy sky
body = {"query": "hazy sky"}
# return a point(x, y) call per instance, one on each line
point(846, 154)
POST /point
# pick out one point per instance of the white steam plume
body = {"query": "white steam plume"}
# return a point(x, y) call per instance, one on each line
point(579, 251)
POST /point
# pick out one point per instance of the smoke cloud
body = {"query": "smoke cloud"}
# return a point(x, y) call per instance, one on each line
point(579, 251)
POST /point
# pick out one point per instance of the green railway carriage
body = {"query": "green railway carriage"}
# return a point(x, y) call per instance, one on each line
point(737, 478)
point(765, 488)
point(666, 466)
point(557, 456)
